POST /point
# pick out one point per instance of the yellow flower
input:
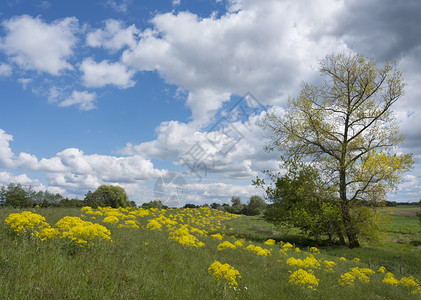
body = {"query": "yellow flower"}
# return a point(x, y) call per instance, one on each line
point(110, 219)
point(303, 278)
point(224, 272)
point(270, 242)
point(360, 273)
point(225, 245)
point(217, 236)
point(26, 222)
point(381, 270)
point(314, 250)
point(356, 259)
point(390, 279)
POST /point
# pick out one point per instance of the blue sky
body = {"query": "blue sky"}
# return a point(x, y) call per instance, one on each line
point(117, 91)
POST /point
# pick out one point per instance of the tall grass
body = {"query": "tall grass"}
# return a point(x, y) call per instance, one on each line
point(145, 264)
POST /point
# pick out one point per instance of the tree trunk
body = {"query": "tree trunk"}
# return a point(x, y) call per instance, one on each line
point(350, 229)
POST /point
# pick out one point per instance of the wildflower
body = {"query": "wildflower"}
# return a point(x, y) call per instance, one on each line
point(226, 245)
point(356, 273)
point(409, 282)
point(154, 224)
point(224, 272)
point(258, 250)
point(303, 278)
point(308, 263)
point(390, 279)
point(328, 264)
point(129, 224)
point(217, 236)
point(356, 259)
point(287, 246)
point(239, 243)
point(342, 259)
point(111, 219)
point(26, 222)
point(381, 270)
point(270, 242)
point(297, 250)
point(314, 250)
point(82, 232)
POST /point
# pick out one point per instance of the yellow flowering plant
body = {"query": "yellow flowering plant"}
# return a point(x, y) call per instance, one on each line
point(224, 272)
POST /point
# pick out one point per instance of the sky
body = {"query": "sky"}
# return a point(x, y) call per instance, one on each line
point(163, 97)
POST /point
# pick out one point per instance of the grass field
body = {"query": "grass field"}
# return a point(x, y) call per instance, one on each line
point(143, 263)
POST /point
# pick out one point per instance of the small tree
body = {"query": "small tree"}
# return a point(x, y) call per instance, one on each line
point(346, 128)
point(107, 195)
point(256, 206)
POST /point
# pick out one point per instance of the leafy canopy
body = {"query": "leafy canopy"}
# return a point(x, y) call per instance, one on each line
point(346, 128)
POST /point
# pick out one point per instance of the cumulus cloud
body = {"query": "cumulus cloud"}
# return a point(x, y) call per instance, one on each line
point(35, 45)
point(84, 100)
point(5, 70)
point(106, 73)
point(119, 5)
point(266, 48)
point(73, 170)
point(113, 37)
point(230, 149)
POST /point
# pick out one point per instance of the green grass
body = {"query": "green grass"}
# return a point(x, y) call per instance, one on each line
point(144, 264)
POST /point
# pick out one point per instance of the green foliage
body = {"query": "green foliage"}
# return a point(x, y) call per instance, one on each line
point(419, 213)
point(107, 195)
point(154, 204)
point(301, 199)
point(347, 129)
point(236, 201)
point(17, 196)
point(255, 206)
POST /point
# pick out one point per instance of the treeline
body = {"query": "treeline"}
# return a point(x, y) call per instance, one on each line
point(255, 206)
point(18, 196)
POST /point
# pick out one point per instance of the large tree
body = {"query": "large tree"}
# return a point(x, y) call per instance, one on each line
point(346, 128)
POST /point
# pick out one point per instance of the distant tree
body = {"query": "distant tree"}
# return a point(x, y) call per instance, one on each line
point(107, 195)
point(17, 196)
point(190, 205)
point(236, 201)
point(255, 206)
point(132, 203)
point(2, 195)
point(154, 204)
point(215, 205)
point(71, 203)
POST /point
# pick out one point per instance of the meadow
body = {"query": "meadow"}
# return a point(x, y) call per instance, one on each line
point(134, 253)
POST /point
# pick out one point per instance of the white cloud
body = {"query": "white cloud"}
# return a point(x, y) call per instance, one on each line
point(6, 153)
point(176, 2)
point(267, 48)
point(119, 5)
point(5, 70)
point(35, 45)
point(74, 171)
point(25, 82)
point(113, 37)
point(104, 73)
point(84, 100)
point(235, 152)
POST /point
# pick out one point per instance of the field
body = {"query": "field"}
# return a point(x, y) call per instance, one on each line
point(197, 254)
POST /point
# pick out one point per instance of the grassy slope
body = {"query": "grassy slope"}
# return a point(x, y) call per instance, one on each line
point(130, 269)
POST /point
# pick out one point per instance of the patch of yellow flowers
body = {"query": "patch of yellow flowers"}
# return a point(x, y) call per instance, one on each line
point(72, 228)
point(224, 272)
